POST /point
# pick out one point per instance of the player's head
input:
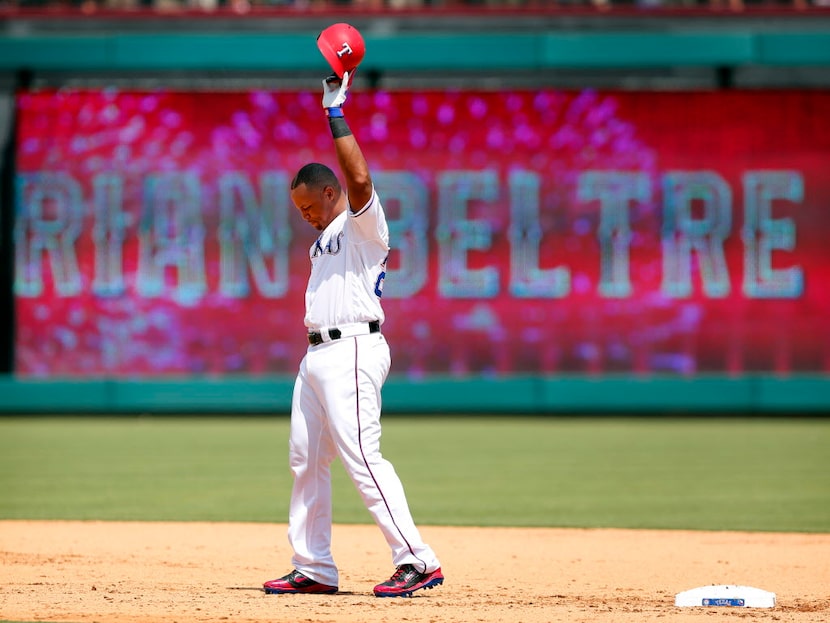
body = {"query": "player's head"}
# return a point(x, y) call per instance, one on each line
point(316, 192)
point(315, 175)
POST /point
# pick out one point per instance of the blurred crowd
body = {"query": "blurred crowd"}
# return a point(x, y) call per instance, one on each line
point(245, 6)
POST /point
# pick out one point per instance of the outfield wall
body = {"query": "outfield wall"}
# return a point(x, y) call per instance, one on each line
point(517, 325)
point(616, 394)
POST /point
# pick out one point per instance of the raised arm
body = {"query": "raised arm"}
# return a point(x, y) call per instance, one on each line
point(353, 164)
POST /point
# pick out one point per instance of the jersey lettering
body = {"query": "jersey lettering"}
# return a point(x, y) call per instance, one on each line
point(332, 246)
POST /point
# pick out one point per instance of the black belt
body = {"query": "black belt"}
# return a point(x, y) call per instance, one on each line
point(334, 334)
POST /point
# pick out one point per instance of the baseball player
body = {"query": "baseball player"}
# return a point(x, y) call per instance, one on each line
point(336, 409)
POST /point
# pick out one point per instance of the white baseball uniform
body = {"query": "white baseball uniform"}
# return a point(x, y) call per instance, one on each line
point(336, 405)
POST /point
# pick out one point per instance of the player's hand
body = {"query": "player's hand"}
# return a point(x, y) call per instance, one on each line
point(335, 90)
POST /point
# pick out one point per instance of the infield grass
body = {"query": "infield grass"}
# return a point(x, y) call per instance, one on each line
point(684, 473)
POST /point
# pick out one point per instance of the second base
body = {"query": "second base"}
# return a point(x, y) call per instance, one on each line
point(726, 595)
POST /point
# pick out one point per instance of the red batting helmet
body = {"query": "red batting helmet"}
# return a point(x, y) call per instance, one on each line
point(343, 47)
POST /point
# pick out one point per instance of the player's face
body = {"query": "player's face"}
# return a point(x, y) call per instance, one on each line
point(316, 205)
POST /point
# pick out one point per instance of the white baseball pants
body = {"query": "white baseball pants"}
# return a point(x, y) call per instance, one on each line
point(336, 411)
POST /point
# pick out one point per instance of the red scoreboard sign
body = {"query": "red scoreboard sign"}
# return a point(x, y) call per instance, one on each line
point(532, 231)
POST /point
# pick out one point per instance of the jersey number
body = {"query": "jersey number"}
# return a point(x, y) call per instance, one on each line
point(381, 277)
point(379, 284)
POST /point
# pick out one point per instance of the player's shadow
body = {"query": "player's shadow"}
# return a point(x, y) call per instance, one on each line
point(259, 589)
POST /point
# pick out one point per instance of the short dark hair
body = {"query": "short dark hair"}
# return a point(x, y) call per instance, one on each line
point(315, 175)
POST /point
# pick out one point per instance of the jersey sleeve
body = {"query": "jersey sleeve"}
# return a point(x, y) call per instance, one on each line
point(370, 221)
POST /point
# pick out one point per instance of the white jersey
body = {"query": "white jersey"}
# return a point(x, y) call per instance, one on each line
point(348, 265)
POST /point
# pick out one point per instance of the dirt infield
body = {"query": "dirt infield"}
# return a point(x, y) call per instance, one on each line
point(186, 573)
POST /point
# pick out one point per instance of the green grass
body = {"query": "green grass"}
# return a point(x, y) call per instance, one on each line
point(719, 474)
